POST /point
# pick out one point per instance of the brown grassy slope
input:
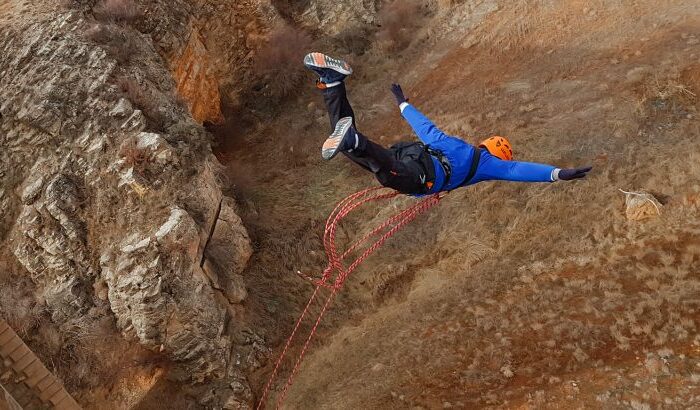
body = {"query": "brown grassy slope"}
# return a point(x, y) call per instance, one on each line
point(508, 293)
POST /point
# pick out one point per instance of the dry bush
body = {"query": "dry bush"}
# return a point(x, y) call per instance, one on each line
point(355, 40)
point(669, 95)
point(92, 352)
point(132, 155)
point(398, 20)
point(99, 33)
point(144, 100)
point(116, 11)
point(279, 60)
point(116, 41)
point(21, 310)
point(121, 48)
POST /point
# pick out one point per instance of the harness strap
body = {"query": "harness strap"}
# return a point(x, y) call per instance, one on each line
point(442, 159)
point(472, 170)
point(448, 169)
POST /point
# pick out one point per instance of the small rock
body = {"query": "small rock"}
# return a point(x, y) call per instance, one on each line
point(507, 372)
point(378, 367)
point(637, 74)
point(665, 352)
point(641, 205)
point(31, 191)
point(637, 405)
point(123, 109)
point(655, 366)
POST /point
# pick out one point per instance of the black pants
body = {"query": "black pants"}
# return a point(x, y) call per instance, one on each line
point(405, 167)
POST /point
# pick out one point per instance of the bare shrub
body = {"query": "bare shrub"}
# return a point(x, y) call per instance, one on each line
point(19, 308)
point(116, 11)
point(118, 43)
point(99, 33)
point(121, 48)
point(354, 40)
point(398, 19)
point(278, 61)
point(132, 155)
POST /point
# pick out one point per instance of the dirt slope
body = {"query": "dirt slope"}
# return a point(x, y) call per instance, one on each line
point(507, 295)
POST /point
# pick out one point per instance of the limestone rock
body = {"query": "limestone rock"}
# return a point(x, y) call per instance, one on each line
point(123, 109)
point(51, 244)
point(159, 298)
point(641, 205)
point(61, 176)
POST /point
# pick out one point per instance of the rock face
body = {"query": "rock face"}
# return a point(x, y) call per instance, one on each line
point(333, 17)
point(161, 299)
point(106, 211)
point(227, 253)
point(52, 245)
point(208, 41)
point(196, 82)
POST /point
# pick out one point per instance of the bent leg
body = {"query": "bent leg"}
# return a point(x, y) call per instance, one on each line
point(405, 176)
point(492, 168)
point(337, 104)
point(367, 154)
point(371, 155)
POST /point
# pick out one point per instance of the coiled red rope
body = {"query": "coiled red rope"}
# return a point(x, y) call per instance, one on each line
point(335, 265)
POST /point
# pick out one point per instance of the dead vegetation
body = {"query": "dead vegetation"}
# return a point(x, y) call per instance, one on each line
point(118, 42)
point(117, 11)
point(278, 61)
point(399, 19)
point(133, 156)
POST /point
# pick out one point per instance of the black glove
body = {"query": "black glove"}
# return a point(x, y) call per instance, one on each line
point(398, 94)
point(573, 173)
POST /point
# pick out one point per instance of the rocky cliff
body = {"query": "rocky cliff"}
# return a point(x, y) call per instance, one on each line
point(109, 189)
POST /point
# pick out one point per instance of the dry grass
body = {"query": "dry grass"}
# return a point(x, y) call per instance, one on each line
point(117, 11)
point(662, 94)
point(278, 62)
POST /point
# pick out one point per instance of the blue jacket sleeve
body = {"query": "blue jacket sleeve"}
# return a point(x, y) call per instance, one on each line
point(494, 169)
point(422, 126)
point(528, 172)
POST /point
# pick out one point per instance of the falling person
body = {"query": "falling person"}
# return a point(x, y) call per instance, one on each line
point(438, 163)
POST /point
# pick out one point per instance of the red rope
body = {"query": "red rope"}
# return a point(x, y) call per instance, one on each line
point(335, 265)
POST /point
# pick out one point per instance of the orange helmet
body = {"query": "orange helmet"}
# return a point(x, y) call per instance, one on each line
point(498, 147)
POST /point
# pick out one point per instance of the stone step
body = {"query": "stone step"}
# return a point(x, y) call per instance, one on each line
point(31, 385)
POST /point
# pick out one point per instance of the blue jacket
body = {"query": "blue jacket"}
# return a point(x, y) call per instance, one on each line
point(460, 155)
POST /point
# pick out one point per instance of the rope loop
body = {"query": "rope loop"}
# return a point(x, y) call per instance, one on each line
point(336, 266)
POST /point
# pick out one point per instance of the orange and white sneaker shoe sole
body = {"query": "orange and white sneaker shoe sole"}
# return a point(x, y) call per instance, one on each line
point(321, 60)
point(330, 147)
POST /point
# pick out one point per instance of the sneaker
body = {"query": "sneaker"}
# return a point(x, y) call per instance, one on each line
point(330, 69)
point(344, 138)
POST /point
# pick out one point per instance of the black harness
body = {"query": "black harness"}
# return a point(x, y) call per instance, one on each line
point(442, 159)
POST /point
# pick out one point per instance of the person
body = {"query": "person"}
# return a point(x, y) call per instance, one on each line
point(438, 163)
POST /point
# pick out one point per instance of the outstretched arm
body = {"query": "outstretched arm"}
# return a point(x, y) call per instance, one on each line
point(492, 168)
point(422, 126)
